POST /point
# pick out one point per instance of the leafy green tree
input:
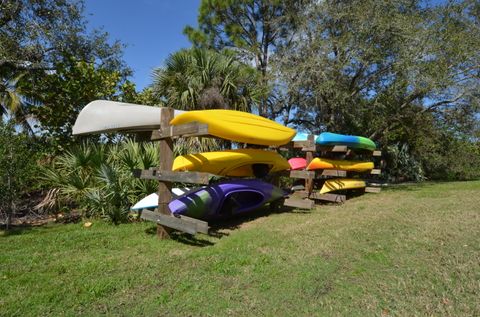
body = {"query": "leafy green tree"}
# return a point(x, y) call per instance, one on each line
point(36, 37)
point(376, 67)
point(252, 27)
point(60, 96)
point(203, 79)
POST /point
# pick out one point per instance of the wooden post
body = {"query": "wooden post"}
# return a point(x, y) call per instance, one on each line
point(166, 162)
point(309, 158)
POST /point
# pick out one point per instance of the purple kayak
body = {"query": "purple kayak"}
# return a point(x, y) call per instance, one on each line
point(226, 199)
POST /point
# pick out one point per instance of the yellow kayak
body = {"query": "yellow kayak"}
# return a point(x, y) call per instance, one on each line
point(231, 162)
point(332, 185)
point(239, 126)
point(326, 164)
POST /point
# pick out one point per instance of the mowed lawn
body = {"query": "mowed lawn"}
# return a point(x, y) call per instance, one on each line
point(408, 251)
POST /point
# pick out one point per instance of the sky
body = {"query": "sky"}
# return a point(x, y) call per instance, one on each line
point(151, 29)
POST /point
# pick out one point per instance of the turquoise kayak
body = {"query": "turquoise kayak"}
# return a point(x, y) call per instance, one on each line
point(356, 142)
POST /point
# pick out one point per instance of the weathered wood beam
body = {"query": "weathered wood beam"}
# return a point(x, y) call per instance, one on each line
point(372, 189)
point(317, 174)
point(335, 148)
point(328, 197)
point(187, 129)
point(298, 202)
point(170, 176)
point(182, 223)
point(165, 149)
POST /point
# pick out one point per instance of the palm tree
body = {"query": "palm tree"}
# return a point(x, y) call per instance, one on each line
point(12, 99)
point(204, 79)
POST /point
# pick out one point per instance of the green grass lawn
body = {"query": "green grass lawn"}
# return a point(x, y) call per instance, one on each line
point(408, 251)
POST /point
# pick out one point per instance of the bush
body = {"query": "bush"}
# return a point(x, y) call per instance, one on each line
point(18, 167)
point(97, 179)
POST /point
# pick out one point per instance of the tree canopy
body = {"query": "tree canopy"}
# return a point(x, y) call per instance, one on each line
point(254, 28)
point(38, 38)
point(203, 79)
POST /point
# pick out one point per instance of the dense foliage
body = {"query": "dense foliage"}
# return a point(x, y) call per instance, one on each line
point(18, 169)
point(97, 180)
point(405, 73)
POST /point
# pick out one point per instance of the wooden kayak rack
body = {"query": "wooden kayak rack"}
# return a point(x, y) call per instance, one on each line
point(307, 197)
point(166, 136)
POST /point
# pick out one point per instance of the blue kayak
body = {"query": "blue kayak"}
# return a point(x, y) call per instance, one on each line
point(353, 141)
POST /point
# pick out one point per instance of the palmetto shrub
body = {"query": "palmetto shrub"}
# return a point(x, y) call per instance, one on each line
point(96, 179)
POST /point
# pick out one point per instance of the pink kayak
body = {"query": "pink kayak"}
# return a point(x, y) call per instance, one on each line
point(297, 163)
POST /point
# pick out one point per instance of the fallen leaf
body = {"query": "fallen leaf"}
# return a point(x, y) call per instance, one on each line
point(87, 224)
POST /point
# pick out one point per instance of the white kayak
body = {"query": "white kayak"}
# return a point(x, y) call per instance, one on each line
point(151, 201)
point(102, 116)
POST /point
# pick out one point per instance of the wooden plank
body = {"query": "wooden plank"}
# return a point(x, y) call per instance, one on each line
point(202, 226)
point(317, 174)
point(166, 162)
point(328, 197)
point(372, 189)
point(187, 129)
point(304, 144)
point(170, 221)
point(335, 148)
point(334, 173)
point(309, 158)
point(375, 183)
point(376, 171)
point(170, 176)
point(299, 203)
point(377, 153)
point(302, 174)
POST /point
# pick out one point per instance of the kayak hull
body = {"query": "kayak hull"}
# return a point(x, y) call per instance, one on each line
point(343, 165)
point(355, 142)
point(102, 116)
point(239, 126)
point(226, 199)
point(332, 185)
point(151, 201)
point(297, 163)
point(236, 163)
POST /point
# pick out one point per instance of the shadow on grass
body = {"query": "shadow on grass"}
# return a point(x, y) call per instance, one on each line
point(237, 221)
point(186, 238)
point(218, 227)
point(16, 230)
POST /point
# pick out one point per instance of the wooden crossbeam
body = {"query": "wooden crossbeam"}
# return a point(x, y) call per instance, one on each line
point(372, 189)
point(170, 176)
point(181, 223)
point(317, 174)
point(298, 202)
point(375, 183)
point(328, 197)
point(335, 148)
point(186, 130)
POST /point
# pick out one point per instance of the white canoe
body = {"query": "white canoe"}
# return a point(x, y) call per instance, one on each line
point(151, 201)
point(102, 116)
